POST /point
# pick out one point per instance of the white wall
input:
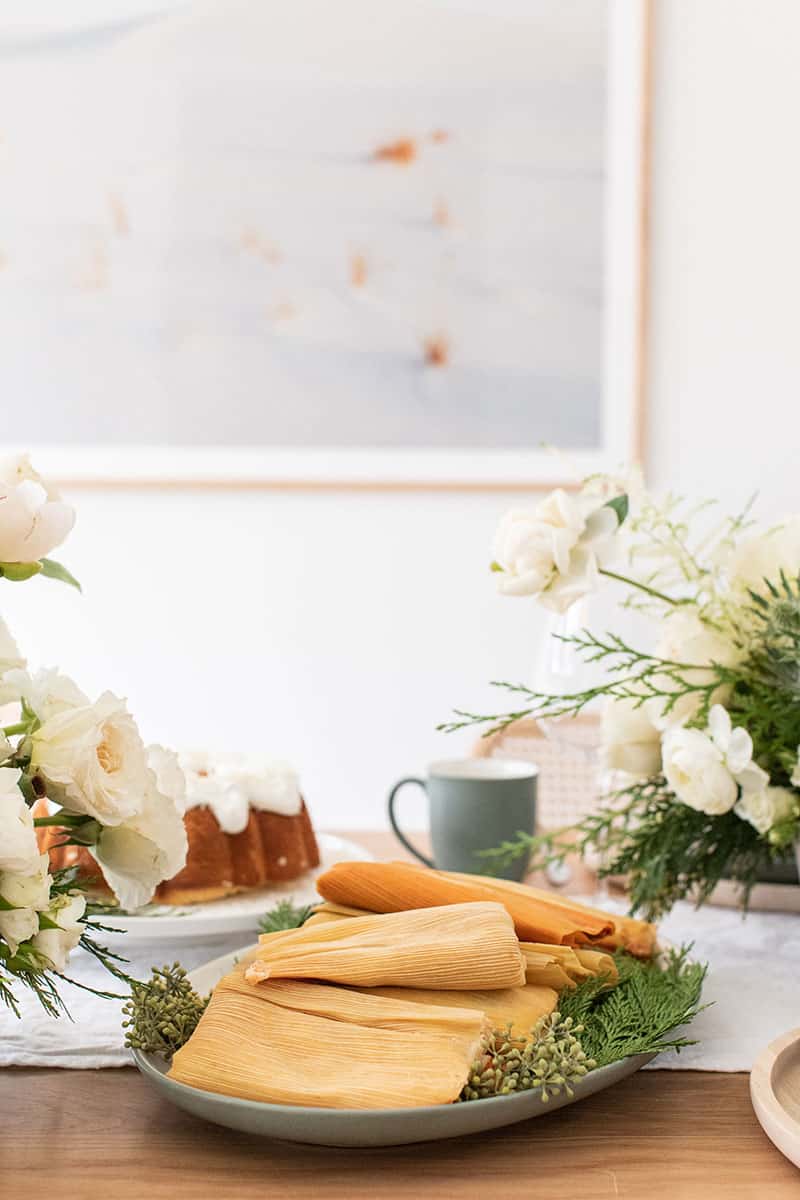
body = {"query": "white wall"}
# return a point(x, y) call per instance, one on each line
point(338, 629)
point(725, 264)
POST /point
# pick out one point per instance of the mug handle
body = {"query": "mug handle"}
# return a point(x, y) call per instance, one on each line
point(393, 822)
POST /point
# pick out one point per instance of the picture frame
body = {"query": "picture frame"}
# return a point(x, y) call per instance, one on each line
point(476, 468)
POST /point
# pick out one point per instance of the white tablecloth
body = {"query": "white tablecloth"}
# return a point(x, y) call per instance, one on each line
point(753, 981)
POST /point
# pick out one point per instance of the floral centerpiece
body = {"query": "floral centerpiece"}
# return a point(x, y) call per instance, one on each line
point(702, 731)
point(73, 763)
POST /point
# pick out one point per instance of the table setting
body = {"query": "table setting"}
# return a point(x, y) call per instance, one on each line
point(362, 993)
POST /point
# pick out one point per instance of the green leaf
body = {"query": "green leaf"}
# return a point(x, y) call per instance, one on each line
point(620, 506)
point(18, 572)
point(54, 570)
point(495, 566)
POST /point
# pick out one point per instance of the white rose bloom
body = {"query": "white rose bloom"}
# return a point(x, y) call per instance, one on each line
point(696, 772)
point(705, 770)
point(33, 517)
point(631, 742)
point(46, 691)
point(554, 551)
point(29, 894)
point(767, 807)
point(150, 847)
point(54, 945)
point(685, 638)
point(764, 555)
point(93, 760)
point(19, 851)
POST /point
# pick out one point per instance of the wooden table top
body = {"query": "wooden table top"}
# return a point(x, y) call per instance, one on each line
point(674, 1135)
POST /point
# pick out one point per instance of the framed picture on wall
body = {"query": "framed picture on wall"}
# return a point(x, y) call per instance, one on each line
point(373, 243)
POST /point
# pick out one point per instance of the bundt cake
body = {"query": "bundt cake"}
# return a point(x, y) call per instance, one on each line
point(247, 827)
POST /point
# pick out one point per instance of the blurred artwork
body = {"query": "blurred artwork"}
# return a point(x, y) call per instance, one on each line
point(371, 225)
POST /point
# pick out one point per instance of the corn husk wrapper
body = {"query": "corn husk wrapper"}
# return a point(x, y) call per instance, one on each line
point(549, 966)
point(395, 887)
point(545, 966)
point(519, 1007)
point(598, 962)
point(626, 933)
point(286, 1042)
point(459, 947)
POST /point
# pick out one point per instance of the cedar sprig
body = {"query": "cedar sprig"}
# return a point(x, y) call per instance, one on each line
point(285, 915)
point(641, 1015)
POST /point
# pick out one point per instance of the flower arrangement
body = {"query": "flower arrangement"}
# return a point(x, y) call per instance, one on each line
point(703, 731)
point(69, 762)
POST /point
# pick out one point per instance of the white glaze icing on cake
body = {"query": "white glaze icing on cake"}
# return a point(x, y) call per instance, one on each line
point(231, 784)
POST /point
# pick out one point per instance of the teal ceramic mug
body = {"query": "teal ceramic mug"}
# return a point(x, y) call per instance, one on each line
point(475, 804)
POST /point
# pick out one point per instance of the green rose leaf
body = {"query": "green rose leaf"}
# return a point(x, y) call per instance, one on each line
point(496, 567)
point(17, 572)
point(620, 506)
point(54, 570)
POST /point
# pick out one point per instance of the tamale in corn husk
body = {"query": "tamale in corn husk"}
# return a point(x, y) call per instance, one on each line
point(627, 933)
point(598, 962)
point(546, 965)
point(547, 968)
point(521, 1007)
point(518, 1007)
point(286, 1042)
point(539, 916)
point(459, 947)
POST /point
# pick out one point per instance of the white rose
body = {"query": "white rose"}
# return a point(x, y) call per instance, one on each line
point(19, 851)
point(696, 772)
point(764, 555)
point(554, 551)
point(151, 846)
point(706, 769)
point(33, 517)
point(28, 895)
point(631, 742)
point(685, 638)
point(54, 945)
point(767, 807)
point(46, 691)
point(93, 760)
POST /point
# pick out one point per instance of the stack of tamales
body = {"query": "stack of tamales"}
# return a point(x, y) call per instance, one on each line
point(384, 997)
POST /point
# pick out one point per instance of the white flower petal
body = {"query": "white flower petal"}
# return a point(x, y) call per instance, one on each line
point(719, 724)
point(739, 751)
point(19, 851)
point(18, 925)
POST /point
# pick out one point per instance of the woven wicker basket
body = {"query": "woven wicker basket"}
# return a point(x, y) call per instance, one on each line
point(568, 770)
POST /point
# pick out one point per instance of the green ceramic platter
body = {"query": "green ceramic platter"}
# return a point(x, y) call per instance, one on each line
point(360, 1127)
